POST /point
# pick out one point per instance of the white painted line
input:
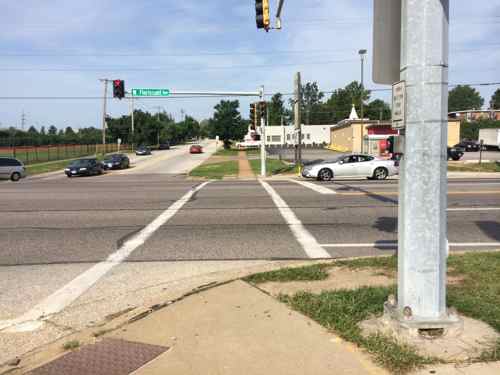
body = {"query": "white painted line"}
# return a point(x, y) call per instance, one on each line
point(312, 248)
point(63, 297)
point(466, 209)
point(317, 188)
point(394, 244)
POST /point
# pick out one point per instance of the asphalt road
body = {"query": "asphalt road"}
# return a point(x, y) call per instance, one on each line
point(54, 230)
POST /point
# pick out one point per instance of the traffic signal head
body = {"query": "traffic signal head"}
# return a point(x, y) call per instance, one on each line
point(253, 115)
point(118, 88)
point(262, 14)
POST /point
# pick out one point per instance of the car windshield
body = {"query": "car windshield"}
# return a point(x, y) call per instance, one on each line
point(80, 163)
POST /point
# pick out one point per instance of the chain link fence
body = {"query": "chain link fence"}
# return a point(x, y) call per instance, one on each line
point(42, 154)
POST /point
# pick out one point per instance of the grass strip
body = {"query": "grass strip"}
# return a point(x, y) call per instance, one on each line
point(216, 171)
point(306, 273)
point(476, 167)
point(273, 166)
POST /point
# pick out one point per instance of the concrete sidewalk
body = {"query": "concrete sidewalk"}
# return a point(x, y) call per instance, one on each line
point(237, 329)
point(244, 168)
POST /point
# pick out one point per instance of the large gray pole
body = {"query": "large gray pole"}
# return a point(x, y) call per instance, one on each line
point(104, 103)
point(297, 119)
point(132, 117)
point(423, 182)
point(262, 138)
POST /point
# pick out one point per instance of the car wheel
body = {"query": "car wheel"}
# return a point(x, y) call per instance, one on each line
point(325, 174)
point(16, 176)
point(456, 158)
point(380, 174)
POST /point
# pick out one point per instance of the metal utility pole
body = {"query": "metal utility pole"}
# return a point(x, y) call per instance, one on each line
point(362, 53)
point(132, 117)
point(422, 230)
point(23, 120)
point(262, 137)
point(104, 103)
point(297, 119)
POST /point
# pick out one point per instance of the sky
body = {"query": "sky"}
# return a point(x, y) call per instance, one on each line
point(60, 48)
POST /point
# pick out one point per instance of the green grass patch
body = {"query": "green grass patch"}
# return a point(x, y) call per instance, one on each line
point(71, 345)
point(273, 167)
point(306, 273)
point(47, 167)
point(342, 310)
point(228, 152)
point(216, 170)
point(476, 167)
point(476, 295)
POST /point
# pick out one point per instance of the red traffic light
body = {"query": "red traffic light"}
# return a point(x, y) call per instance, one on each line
point(118, 88)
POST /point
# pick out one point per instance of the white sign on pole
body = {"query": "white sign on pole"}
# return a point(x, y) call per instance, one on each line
point(119, 141)
point(399, 105)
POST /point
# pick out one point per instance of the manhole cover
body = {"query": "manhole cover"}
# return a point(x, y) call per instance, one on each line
point(107, 357)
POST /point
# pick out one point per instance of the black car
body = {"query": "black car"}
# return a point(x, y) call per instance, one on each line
point(455, 153)
point(84, 167)
point(143, 150)
point(471, 146)
point(164, 146)
point(116, 161)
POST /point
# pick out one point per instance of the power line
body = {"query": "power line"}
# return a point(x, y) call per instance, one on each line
point(208, 96)
point(172, 68)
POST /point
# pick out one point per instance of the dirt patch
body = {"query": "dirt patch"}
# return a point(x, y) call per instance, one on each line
point(338, 278)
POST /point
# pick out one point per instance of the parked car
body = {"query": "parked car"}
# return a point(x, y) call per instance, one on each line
point(353, 165)
point(11, 168)
point(469, 145)
point(195, 149)
point(143, 150)
point(455, 153)
point(164, 146)
point(116, 161)
point(84, 167)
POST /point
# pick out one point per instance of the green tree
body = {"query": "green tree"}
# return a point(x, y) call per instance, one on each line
point(277, 111)
point(227, 122)
point(340, 103)
point(495, 100)
point(464, 97)
point(378, 110)
point(311, 103)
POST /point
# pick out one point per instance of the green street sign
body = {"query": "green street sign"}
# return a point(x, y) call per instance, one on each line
point(150, 92)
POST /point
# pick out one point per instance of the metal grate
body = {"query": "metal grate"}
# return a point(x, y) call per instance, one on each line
point(107, 357)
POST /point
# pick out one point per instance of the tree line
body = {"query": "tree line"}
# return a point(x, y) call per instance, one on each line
point(228, 122)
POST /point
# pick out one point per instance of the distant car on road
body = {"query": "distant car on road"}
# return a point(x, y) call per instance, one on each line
point(195, 149)
point(11, 168)
point(143, 150)
point(455, 153)
point(164, 146)
point(116, 161)
point(84, 167)
point(353, 165)
point(468, 145)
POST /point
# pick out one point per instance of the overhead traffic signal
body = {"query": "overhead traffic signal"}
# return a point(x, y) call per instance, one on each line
point(262, 14)
point(118, 88)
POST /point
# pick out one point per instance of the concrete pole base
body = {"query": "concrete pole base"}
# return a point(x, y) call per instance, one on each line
point(401, 322)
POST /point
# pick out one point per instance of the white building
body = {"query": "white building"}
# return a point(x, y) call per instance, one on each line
point(286, 135)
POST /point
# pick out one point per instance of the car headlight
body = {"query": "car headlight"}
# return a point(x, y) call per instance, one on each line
point(66, 169)
point(83, 169)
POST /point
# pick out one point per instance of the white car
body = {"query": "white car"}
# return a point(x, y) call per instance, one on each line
point(353, 165)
